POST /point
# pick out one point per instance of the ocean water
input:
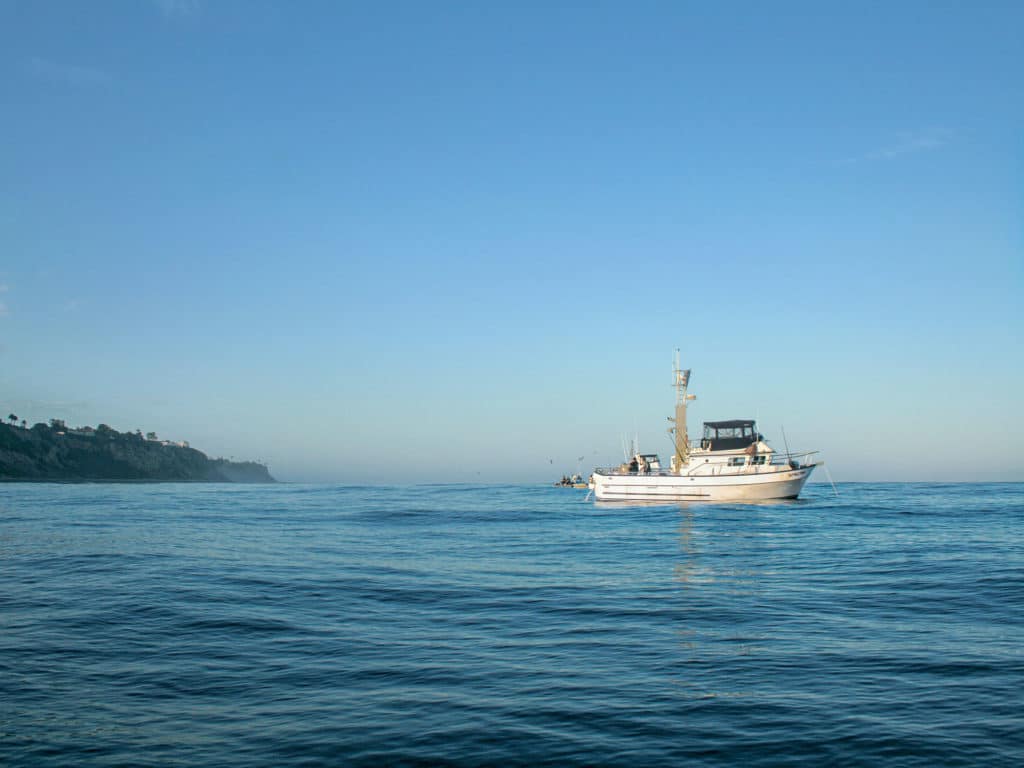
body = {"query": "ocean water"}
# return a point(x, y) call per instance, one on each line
point(509, 625)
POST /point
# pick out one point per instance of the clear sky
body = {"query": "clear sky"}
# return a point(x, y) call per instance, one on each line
point(434, 241)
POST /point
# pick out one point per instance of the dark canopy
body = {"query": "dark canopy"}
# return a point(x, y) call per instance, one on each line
point(732, 424)
point(729, 435)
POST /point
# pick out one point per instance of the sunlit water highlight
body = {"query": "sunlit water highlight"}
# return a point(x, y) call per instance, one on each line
point(325, 625)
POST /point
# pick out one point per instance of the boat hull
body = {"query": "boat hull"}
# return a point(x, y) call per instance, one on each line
point(765, 486)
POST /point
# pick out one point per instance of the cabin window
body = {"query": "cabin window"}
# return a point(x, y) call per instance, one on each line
point(737, 461)
point(758, 460)
point(745, 431)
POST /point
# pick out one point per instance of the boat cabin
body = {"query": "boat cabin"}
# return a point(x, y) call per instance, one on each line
point(729, 435)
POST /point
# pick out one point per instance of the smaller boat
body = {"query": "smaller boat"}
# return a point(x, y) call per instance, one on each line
point(574, 481)
point(732, 462)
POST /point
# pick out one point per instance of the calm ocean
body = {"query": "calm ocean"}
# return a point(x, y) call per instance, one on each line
point(509, 625)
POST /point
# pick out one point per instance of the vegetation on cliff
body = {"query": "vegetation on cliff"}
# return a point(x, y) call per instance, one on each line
point(55, 452)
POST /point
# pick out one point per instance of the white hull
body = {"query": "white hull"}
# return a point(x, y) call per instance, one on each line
point(666, 486)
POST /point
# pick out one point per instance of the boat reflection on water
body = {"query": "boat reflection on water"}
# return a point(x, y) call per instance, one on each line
point(711, 583)
point(686, 568)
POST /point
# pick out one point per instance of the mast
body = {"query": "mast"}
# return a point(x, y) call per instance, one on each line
point(680, 380)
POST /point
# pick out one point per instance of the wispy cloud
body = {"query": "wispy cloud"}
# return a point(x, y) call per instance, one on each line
point(906, 144)
point(177, 7)
point(69, 74)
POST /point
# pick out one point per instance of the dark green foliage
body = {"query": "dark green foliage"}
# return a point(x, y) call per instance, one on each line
point(42, 454)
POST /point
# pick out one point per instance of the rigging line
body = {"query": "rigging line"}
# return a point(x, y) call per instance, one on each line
point(829, 475)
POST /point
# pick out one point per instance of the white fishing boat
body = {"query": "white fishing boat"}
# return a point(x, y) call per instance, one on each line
point(732, 462)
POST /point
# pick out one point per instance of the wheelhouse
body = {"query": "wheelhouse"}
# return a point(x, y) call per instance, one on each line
point(729, 435)
point(652, 461)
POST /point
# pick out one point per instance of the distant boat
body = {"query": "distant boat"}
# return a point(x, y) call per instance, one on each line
point(732, 462)
point(575, 481)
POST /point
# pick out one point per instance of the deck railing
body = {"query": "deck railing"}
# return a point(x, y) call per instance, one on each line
point(793, 459)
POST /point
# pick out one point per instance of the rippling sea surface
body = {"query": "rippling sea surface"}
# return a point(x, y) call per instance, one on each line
point(467, 625)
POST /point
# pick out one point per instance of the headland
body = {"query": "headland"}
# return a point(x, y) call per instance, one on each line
point(55, 452)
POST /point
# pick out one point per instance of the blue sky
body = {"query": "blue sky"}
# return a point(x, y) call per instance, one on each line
point(460, 241)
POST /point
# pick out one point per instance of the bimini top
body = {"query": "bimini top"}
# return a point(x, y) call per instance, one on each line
point(729, 435)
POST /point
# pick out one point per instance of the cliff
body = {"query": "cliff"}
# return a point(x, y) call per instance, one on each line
point(104, 454)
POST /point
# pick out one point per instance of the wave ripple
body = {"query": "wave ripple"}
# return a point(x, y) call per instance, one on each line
point(479, 625)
